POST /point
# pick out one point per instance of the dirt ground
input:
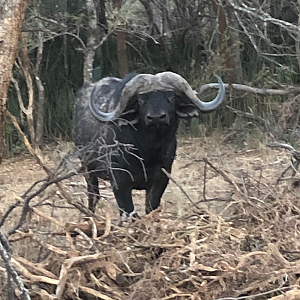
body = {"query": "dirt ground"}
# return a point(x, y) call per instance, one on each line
point(19, 173)
point(228, 185)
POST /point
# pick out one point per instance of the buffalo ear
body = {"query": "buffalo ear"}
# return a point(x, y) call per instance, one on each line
point(187, 111)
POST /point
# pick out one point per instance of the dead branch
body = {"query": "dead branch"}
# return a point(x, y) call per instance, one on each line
point(224, 175)
point(180, 187)
point(97, 294)
point(34, 267)
point(87, 228)
point(51, 176)
point(293, 151)
point(49, 247)
point(251, 116)
point(295, 155)
point(32, 277)
point(289, 295)
point(5, 253)
point(68, 263)
point(288, 90)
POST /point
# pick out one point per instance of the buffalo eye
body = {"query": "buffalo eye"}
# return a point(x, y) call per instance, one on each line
point(171, 99)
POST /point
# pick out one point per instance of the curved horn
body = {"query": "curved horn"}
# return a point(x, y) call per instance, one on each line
point(178, 83)
point(144, 83)
point(130, 85)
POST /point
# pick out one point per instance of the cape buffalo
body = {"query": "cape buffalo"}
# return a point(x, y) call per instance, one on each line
point(126, 132)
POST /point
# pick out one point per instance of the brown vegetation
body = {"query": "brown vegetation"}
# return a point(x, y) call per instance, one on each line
point(239, 238)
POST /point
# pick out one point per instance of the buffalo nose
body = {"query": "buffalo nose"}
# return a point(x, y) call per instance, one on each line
point(157, 118)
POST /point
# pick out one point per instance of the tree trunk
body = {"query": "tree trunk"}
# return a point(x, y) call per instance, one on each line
point(25, 66)
point(297, 43)
point(11, 20)
point(40, 113)
point(91, 42)
point(121, 43)
point(226, 51)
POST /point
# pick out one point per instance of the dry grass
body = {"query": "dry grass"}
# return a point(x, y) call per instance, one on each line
point(239, 238)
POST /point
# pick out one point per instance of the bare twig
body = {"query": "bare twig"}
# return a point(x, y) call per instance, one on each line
point(225, 176)
point(51, 176)
point(295, 154)
point(251, 116)
point(180, 187)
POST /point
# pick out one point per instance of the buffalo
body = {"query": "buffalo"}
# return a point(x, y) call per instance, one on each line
point(126, 128)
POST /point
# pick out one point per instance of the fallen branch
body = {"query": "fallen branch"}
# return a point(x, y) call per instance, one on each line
point(293, 151)
point(288, 90)
point(290, 295)
point(34, 266)
point(68, 263)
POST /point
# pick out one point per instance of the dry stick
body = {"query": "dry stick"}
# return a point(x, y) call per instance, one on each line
point(68, 263)
point(37, 192)
point(61, 282)
point(204, 181)
point(34, 153)
point(107, 225)
point(295, 154)
point(49, 247)
point(251, 116)
point(281, 289)
point(225, 176)
point(286, 90)
point(33, 277)
point(43, 215)
point(180, 187)
point(94, 293)
point(11, 272)
point(33, 266)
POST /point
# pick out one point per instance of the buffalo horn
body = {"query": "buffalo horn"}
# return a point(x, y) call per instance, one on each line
point(144, 83)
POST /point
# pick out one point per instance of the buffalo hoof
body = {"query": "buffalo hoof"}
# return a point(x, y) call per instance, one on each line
point(128, 218)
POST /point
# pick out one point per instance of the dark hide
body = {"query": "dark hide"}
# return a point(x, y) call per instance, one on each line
point(138, 153)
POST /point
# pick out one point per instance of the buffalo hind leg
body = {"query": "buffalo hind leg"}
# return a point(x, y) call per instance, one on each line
point(93, 190)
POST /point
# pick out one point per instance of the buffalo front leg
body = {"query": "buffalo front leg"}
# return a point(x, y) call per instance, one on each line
point(93, 190)
point(155, 191)
point(124, 199)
